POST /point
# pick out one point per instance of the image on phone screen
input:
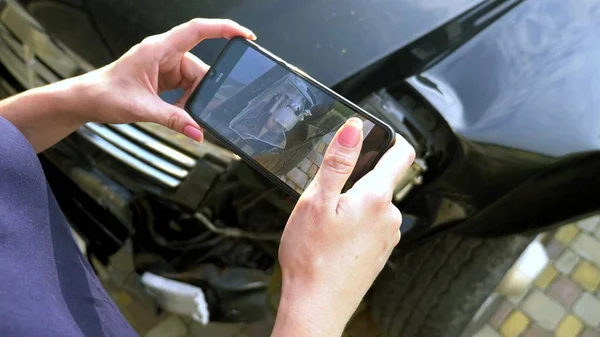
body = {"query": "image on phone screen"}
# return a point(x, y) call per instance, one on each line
point(274, 116)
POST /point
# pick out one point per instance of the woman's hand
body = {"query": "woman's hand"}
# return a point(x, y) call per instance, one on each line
point(334, 245)
point(127, 90)
point(124, 91)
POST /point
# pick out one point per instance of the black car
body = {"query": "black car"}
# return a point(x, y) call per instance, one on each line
point(498, 97)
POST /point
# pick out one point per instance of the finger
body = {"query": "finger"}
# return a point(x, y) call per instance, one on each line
point(187, 35)
point(175, 119)
point(192, 71)
point(192, 68)
point(339, 160)
point(388, 171)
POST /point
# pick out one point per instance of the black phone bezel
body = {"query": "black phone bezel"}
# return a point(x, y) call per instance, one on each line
point(268, 174)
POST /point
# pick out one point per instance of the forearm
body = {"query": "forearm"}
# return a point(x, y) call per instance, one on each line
point(47, 114)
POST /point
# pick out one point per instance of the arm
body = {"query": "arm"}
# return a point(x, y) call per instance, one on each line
point(124, 91)
point(46, 115)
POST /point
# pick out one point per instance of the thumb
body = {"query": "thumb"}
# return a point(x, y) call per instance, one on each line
point(177, 119)
point(340, 159)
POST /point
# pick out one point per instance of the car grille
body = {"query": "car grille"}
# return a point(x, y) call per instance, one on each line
point(34, 59)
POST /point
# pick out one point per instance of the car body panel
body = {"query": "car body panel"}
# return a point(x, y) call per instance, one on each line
point(538, 81)
point(522, 98)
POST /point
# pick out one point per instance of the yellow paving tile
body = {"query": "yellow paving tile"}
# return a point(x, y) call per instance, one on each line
point(587, 276)
point(514, 324)
point(312, 171)
point(321, 147)
point(546, 277)
point(566, 233)
point(570, 326)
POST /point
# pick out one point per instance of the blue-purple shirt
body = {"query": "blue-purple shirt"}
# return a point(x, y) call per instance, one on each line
point(47, 287)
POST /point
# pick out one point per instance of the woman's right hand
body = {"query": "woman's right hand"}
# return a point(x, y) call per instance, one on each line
point(334, 245)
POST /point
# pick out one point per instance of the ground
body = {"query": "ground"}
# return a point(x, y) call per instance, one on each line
point(563, 302)
point(565, 299)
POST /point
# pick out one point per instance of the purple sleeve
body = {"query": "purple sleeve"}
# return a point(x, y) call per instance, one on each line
point(47, 287)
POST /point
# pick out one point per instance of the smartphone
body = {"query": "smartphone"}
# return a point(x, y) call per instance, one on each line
point(277, 118)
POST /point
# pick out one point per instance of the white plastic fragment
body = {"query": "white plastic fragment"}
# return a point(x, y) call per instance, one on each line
point(178, 297)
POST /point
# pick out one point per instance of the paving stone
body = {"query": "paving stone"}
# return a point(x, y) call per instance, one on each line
point(590, 333)
point(305, 165)
point(291, 183)
point(554, 248)
point(501, 313)
point(328, 137)
point(312, 155)
point(566, 261)
point(313, 171)
point(589, 224)
point(298, 177)
point(587, 276)
point(514, 324)
point(570, 326)
point(321, 148)
point(319, 159)
point(546, 277)
point(587, 247)
point(172, 326)
point(564, 291)
point(566, 233)
point(516, 299)
point(487, 331)
point(544, 310)
point(536, 331)
point(587, 307)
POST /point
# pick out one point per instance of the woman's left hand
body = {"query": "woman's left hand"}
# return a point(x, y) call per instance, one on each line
point(127, 90)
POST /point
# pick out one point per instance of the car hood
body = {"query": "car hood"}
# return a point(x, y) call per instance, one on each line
point(329, 39)
point(333, 39)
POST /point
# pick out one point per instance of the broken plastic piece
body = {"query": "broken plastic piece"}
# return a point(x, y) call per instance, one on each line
point(178, 297)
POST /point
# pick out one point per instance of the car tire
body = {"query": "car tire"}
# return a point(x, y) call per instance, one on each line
point(436, 289)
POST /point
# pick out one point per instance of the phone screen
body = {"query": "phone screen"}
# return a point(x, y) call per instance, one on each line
point(277, 118)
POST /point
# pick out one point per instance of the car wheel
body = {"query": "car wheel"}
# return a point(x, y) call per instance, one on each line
point(436, 289)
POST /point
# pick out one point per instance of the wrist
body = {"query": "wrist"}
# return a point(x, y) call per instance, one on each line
point(297, 319)
point(304, 311)
point(76, 97)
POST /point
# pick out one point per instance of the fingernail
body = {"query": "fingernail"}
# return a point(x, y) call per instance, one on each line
point(350, 134)
point(248, 33)
point(193, 132)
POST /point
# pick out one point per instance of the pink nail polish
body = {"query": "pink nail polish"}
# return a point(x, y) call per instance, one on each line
point(350, 134)
point(193, 132)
